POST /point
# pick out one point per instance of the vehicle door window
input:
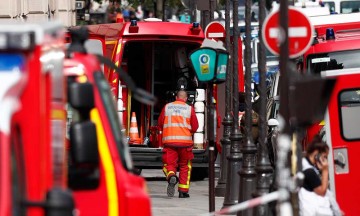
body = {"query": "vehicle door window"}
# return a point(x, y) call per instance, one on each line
point(94, 46)
point(349, 107)
point(332, 61)
point(349, 6)
point(113, 118)
point(330, 5)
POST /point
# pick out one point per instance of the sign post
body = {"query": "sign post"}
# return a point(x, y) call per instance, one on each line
point(300, 33)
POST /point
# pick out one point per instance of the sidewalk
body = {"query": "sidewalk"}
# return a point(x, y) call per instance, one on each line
point(162, 205)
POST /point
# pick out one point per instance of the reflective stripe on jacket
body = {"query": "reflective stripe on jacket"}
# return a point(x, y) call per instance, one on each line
point(177, 127)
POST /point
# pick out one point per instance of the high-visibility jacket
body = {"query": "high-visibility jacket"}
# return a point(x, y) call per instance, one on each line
point(177, 124)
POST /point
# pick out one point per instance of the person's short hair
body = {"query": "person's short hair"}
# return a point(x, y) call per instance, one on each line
point(317, 144)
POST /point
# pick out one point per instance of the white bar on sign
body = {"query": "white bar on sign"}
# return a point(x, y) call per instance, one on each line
point(273, 32)
point(298, 32)
point(293, 32)
point(216, 34)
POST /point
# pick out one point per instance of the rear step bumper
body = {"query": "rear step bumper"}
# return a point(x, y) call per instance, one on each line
point(150, 158)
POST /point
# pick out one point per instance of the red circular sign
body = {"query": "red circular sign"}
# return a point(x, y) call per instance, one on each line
point(215, 30)
point(300, 32)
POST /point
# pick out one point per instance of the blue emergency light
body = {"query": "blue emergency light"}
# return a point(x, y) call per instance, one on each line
point(133, 23)
point(196, 25)
point(11, 63)
point(133, 28)
point(330, 34)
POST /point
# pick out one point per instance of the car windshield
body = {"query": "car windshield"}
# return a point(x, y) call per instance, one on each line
point(333, 61)
point(349, 6)
point(112, 116)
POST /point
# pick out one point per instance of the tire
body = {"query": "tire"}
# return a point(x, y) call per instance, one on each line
point(199, 173)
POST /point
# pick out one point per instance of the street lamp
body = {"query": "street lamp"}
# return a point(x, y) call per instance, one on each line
point(210, 65)
point(235, 157)
point(220, 188)
point(248, 148)
point(263, 167)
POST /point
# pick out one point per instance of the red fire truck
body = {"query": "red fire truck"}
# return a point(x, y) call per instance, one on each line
point(155, 54)
point(112, 190)
point(336, 46)
point(342, 129)
point(33, 161)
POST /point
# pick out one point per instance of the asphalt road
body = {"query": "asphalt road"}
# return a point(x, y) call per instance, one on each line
point(162, 205)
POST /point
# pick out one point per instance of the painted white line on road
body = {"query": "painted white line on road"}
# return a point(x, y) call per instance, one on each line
point(293, 32)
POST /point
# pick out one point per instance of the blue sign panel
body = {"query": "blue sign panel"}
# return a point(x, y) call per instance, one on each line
point(204, 62)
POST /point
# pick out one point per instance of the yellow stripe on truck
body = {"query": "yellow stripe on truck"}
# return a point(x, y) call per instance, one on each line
point(59, 114)
point(106, 159)
point(117, 53)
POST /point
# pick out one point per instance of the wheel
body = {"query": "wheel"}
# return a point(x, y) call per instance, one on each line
point(199, 173)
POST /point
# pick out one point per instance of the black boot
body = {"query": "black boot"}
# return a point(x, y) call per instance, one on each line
point(171, 186)
point(183, 195)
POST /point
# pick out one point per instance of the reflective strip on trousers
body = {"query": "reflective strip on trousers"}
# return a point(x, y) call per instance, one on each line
point(187, 185)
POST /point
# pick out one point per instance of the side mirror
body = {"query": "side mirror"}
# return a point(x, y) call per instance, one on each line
point(81, 96)
point(84, 153)
point(273, 123)
point(84, 166)
point(59, 203)
point(83, 144)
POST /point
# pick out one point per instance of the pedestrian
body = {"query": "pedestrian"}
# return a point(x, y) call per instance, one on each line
point(253, 17)
point(178, 122)
point(314, 196)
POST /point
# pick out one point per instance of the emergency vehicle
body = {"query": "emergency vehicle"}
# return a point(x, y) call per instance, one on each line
point(335, 46)
point(33, 161)
point(113, 190)
point(155, 54)
point(342, 134)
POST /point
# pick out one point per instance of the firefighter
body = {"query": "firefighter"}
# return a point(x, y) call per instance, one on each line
point(178, 122)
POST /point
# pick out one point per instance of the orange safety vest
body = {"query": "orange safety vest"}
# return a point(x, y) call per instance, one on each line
point(177, 127)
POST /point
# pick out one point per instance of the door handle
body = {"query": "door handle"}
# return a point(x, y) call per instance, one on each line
point(339, 163)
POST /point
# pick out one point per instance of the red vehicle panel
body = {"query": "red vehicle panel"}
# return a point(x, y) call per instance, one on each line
point(33, 162)
point(118, 190)
point(342, 135)
point(332, 50)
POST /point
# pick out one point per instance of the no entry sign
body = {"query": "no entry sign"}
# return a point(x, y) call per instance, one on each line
point(215, 30)
point(300, 32)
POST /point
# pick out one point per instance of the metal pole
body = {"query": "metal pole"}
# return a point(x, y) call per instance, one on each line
point(248, 149)
point(234, 163)
point(212, 9)
point(227, 121)
point(283, 171)
point(263, 166)
point(211, 134)
point(211, 139)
